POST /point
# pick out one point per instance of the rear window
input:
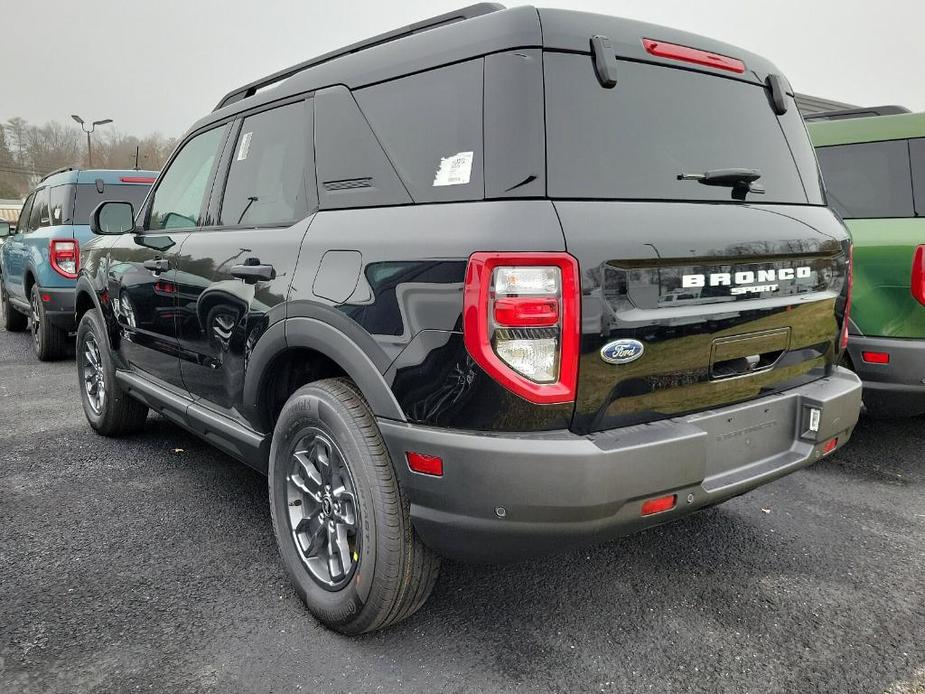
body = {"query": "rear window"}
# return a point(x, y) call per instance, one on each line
point(633, 141)
point(88, 197)
point(871, 180)
point(430, 124)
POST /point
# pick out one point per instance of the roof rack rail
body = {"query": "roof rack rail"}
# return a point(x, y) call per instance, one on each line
point(860, 112)
point(57, 171)
point(459, 15)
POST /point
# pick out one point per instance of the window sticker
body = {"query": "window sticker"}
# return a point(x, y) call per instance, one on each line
point(245, 146)
point(454, 170)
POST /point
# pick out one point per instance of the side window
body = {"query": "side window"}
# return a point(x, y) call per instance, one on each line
point(22, 225)
point(917, 150)
point(430, 125)
point(40, 216)
point(869, 180)
point(61, 201)
point(266, 178)
point(179, 196)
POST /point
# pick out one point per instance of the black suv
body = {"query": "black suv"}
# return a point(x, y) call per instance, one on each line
point(497, 283)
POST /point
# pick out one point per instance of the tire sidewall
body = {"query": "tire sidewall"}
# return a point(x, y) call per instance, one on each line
point(310, 407)
point(90, 323)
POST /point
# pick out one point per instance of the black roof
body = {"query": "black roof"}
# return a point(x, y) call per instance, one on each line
point(468, 33)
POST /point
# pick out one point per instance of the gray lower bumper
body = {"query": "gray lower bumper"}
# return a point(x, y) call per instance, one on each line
point(557, 488)
point(59, 306)
point(896, 389)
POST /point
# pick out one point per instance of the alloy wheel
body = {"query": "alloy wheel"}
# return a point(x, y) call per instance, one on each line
point(36, 322)
point(94, 382)
point(323, 511)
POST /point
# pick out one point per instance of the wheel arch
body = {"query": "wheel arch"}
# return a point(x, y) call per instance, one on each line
point(336, 354)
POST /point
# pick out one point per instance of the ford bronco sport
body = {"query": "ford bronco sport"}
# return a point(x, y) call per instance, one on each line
point(38, 264)
point(874, 170)
point(422, 283)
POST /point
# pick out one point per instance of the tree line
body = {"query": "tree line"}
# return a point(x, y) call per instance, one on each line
point(28, 152)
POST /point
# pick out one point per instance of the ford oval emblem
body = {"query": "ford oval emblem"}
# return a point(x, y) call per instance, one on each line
point(622, 351)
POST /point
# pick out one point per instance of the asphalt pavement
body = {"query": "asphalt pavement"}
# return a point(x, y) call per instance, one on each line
point(149, 564)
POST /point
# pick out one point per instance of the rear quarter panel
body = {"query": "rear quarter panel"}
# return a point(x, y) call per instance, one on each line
point(882, 302)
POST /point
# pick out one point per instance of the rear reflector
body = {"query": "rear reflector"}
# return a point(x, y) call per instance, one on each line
point(658, 505)
point(425, 464)
point(137, 179)
point(685, 54)
point(876, 357)
point(830, 446)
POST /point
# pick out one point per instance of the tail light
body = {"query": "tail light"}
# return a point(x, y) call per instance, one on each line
point(843, 342)
point(65, 256)
point(918, 275)
point(521, 322)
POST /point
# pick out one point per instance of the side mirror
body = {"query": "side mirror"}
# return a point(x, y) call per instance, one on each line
point(5, 229)
point(112, 217)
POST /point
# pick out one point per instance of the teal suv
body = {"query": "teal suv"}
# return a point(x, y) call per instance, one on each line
point(38, 263)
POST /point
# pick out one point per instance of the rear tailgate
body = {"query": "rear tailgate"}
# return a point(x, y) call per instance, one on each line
point(731, 288)
point(704, 346)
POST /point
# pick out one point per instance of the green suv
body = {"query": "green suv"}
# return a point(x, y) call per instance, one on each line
point(874, 170)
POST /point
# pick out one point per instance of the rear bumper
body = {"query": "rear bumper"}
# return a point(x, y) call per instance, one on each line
point(59, 306)
point(896, 389)
point(559, 489)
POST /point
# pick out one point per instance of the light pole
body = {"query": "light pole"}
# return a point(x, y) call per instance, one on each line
point(83, 126)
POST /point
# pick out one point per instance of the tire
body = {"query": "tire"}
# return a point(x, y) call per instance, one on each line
point(392, 573)
point(48, 341)
point(13, 320)
point(115, 413)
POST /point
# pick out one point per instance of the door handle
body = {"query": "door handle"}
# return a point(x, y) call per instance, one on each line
point(156, 265)
point(253, 271)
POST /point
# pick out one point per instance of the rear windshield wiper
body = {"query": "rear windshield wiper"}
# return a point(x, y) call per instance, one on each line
point(742, 181)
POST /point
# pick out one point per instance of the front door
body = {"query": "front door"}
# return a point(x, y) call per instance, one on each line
point(143, 277)
point(13, 254)
point(235, 275)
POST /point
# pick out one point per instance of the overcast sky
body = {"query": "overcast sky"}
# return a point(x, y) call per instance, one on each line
point(158, 66)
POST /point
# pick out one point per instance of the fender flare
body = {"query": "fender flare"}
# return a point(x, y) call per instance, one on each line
point(337, 346)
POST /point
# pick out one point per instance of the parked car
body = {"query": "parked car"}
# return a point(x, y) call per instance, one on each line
point(419, 227)
point(6, 229)
point(38, 264)
point(874, 171)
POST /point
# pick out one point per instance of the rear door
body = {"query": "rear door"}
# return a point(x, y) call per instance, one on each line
point(871, 186)
point(730, 293)
point(142, 267)
point(234, 273)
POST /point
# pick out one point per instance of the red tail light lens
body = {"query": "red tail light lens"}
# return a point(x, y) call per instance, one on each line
point(521, 322)
point(526, 311)
point(830, 446)
point(685, 54)
point(64, 255)
point(843, 342)
point(918, 275)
